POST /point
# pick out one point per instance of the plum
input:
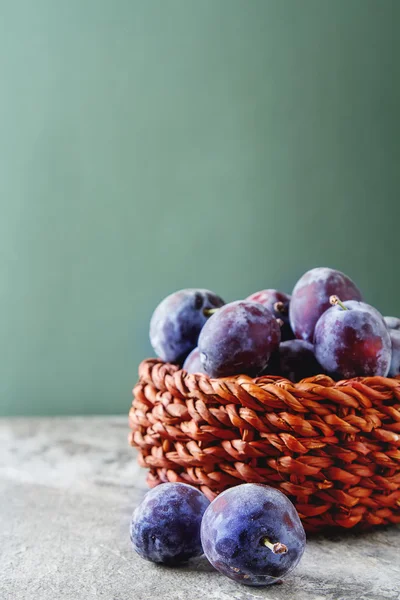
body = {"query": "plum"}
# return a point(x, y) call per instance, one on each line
point(395, 362)
point(192, 363)
point(351, 340)
point(294, 360)
point(392, 322)
point(252, 534)
point(165, 527)
point(310, 298)
point(177, 321)
point(278, 304)
point(238, 339)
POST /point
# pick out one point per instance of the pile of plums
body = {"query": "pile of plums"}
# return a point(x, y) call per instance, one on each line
point(251, 533)
point(323, 327)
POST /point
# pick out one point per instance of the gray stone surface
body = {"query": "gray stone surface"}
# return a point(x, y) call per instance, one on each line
point(67, 490)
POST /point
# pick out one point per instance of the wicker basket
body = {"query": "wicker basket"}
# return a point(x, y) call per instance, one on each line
point(332, 447)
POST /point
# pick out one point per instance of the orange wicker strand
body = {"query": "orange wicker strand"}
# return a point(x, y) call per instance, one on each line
point(332, 447)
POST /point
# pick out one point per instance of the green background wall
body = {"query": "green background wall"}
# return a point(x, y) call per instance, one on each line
point(147, 146)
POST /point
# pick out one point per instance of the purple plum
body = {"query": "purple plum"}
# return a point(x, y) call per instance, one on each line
point(395, 362)
point(294, 360)
point(238, 339)
point(392, 322)
point(252, 534)
point(177, 321)
point(192, 363)
point(310, 298)
point(278, 303)
point(165, 527)
point(352, 340)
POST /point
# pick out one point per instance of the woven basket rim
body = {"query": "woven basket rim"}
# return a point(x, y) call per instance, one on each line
point(321, 379)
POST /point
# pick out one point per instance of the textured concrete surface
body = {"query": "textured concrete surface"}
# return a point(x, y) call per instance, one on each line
point(67, 490)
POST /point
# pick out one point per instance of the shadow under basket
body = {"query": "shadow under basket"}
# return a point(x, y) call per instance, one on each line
point(332, 447)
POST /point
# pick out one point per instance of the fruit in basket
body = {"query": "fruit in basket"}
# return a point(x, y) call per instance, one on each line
point(310, 298)
point(394, 369)
point(178, 320)
point(192, 363)
point(238, 339)
point(352, 340)
point(165, 527)
point(294, 360)
point(252, 534)
point(392, 322)
point(278, 304)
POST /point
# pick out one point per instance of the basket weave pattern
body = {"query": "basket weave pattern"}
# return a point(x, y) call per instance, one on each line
point(332, 447)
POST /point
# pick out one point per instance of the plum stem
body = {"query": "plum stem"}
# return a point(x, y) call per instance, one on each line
point(277, 548)
point(207, 312)
point(279, 307)
point(335, 301)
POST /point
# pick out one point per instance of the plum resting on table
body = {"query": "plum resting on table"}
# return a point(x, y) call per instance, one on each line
point(238, 339)
point(310, 298)
point(352, 340)
point(165, 527)
point(252, 534)
point(178, 320)
point(278, 304)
